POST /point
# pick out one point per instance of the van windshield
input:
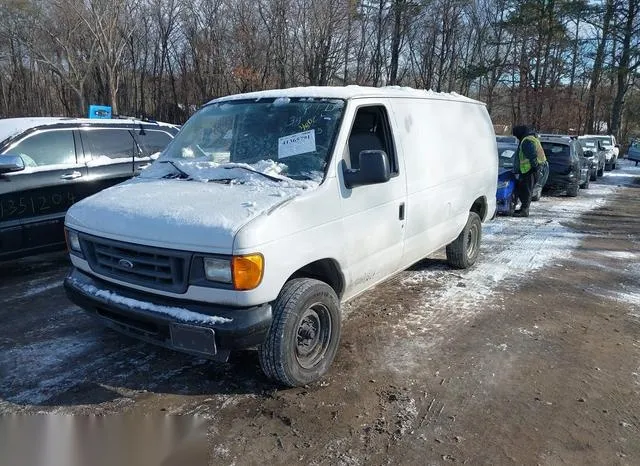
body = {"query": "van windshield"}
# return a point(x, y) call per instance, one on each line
point(280, 138)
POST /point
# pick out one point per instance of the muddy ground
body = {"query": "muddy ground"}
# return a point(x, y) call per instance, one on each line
point(531, 357)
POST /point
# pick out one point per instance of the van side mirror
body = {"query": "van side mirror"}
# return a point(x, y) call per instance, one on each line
point(374, 169)
point(588, 153)
point(11, 163)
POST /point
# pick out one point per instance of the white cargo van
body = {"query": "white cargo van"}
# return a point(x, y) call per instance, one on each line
point(268, 210)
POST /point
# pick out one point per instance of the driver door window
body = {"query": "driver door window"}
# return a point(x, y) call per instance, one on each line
point(371, 131)
point(47, 148)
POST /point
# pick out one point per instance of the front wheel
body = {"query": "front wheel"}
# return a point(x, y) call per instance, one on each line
point(304, 335)
point(572, 191)
point(600, 171)
point(593, 175)
point(463, 252)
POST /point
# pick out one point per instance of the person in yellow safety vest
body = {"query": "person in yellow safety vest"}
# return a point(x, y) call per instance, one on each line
point(530, 157)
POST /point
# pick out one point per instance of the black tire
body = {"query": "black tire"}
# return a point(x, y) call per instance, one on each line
point(463, 252)
point(613, 165)
point(304, 334)
point(585, 185)
point(607, 168)
point(572, 191)
point(593, 176)
point(600, 171)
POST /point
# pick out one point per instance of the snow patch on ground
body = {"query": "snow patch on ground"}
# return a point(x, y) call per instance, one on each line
point(619, 254)
point(51, 355)
point(183, 315)
point(38, 289)
point(627, 296)
point(512, 248)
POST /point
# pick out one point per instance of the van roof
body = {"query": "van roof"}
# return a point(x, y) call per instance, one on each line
point(349, 92)
point(10, 127)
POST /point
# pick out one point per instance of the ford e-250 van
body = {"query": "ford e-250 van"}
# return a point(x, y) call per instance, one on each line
point(268, 210)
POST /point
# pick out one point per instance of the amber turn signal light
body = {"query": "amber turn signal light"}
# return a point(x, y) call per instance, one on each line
point(247, 271)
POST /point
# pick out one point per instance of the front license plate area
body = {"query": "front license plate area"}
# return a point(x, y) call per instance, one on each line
point(193, 339)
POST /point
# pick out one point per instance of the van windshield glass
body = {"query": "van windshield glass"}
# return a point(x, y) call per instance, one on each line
point(280, 138)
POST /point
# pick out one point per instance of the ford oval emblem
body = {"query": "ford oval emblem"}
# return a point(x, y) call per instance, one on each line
point(125, 263)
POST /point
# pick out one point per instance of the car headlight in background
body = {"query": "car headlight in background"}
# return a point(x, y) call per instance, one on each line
point(73, 241)
point(217, 270)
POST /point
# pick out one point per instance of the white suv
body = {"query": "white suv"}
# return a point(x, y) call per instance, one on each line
point(610, 147)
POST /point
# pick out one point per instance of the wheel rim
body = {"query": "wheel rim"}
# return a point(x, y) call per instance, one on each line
point(313, 335)
point(472, 240)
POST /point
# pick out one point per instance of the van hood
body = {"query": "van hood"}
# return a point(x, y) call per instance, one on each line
point(187, 215)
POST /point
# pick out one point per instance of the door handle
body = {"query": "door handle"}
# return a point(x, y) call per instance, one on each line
point(401, 212)
point(71, 176)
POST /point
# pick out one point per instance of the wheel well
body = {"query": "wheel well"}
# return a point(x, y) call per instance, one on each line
point(480, 207)
point(326, 270)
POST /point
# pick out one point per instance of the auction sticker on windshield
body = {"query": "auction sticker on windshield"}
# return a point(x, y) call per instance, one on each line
point(295, 144)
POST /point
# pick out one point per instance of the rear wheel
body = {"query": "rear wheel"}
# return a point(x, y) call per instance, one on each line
point(572, 191)
point(585, 185)
point(593, 175)
point(463, 252)
point(600, 171)
point(304, 335)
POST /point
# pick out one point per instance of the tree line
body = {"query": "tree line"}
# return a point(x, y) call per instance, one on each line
point(561, 65)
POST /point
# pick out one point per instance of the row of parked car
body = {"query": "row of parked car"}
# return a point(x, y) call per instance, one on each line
point(574, 161)
point(265, 213)
point(55, 162)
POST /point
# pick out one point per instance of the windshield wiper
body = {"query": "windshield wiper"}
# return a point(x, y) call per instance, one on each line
point(272, 178)
point(178, 169)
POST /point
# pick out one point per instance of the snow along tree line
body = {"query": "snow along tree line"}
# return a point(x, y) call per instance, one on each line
point(562, 65)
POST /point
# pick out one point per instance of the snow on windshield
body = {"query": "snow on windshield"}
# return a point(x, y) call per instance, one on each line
point(284, 138)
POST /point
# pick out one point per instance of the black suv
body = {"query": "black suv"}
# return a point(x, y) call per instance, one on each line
point(47, 164)
point(569, 169)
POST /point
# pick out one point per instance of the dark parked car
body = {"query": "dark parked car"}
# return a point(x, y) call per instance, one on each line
point(568, 168)
point(507, 140)
point(506, 196)
point(47, 164)
point(633, 152)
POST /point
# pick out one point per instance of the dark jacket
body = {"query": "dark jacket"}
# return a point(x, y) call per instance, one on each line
point(528, 148)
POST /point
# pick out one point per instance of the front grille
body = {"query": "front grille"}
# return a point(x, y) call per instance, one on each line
point(157, 268)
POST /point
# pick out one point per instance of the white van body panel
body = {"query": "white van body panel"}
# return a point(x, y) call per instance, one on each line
point(449, 156)
point(446, 155)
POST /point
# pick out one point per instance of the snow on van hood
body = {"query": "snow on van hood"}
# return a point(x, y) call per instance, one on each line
point(188, 215)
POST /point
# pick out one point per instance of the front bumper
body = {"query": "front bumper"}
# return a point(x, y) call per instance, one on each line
point(192, 327)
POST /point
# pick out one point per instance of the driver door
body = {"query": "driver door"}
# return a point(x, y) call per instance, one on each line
point(33, 202)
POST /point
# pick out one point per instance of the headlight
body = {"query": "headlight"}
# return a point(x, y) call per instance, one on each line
point(73, 241)
point(243, 272)
point(217, 270)
point(503, 184)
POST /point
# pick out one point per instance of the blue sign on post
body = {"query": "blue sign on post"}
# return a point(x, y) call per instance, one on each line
point(99, 111)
